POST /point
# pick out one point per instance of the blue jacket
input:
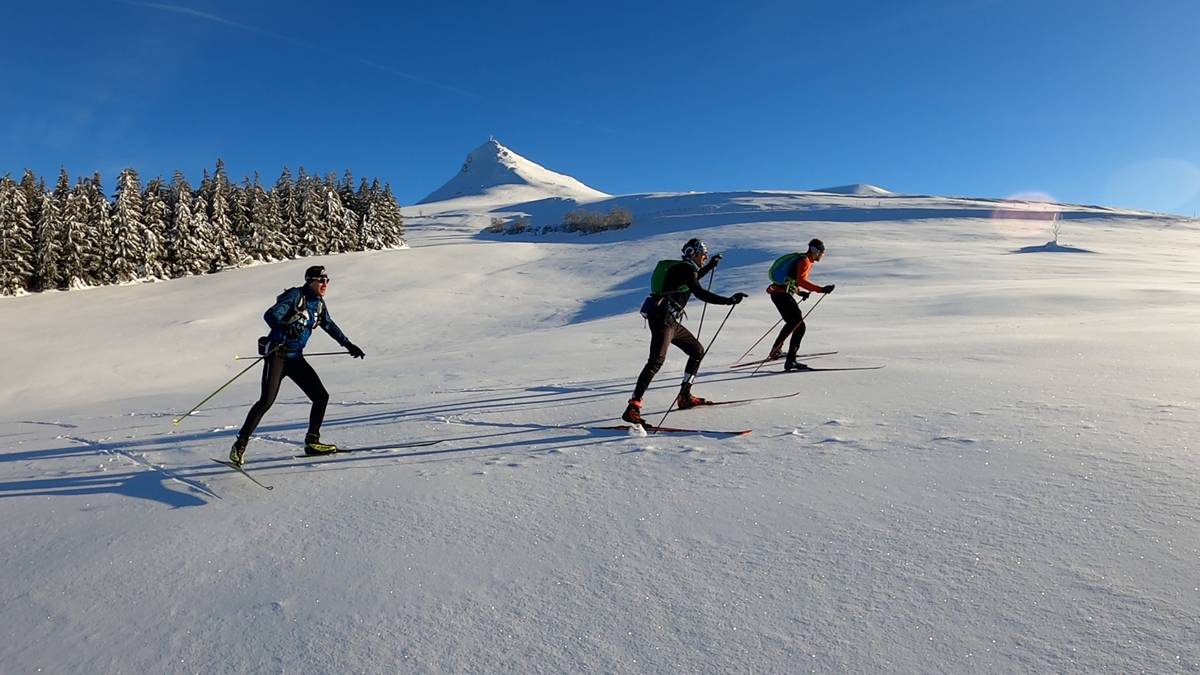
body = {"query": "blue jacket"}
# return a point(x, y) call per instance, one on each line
point(300, 305)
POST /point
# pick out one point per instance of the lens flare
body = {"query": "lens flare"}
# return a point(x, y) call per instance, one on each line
point(1026, 214)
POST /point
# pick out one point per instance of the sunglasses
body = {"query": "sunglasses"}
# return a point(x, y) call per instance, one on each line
point(323, 280)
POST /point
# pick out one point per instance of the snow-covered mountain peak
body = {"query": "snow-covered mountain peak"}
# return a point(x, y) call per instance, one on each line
point(493, 171)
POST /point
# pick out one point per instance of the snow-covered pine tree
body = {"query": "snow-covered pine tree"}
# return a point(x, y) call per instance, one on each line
point(239, 215)
point(155, 216)
point(287, 197)
point(204, 256)
point(313, 233)
point(183, 247)
point(350, 227)
point(266, 241)
point(99, 233)
point(127, 258)
point(347, 194)
point(62, 189)
point(225, 249)
point(219, 230)
point(47, 245)
point(73, 231)
point(333, 213)
point(16, 239)
point(279, 244)
point(33, 187)
point(393, 221)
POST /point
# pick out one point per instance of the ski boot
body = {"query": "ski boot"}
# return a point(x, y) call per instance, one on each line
point(633, 413)
point(792, 364)
point(237, 451)
point(314, 446)
point(685, 399)
point(776, 353)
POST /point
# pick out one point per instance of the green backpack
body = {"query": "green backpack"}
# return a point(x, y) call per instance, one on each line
point(660, 276)
point(781, 267)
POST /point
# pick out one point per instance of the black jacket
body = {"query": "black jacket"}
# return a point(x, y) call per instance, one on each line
point(686, 275)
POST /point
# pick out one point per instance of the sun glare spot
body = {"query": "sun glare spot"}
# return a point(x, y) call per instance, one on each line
point(1026, 214)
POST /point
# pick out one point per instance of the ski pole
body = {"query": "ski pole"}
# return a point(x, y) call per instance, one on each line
point(705, 309)
point(802, 318)
point(197, 406)
point(814, 307)
point(758, 341)
point(243, 358)
point(710, 344)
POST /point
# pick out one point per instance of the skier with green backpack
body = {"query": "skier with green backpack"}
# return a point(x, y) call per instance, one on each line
point(671, 285)
point(789, 275)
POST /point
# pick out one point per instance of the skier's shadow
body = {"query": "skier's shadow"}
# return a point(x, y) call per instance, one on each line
point(136, 483)
point(543, 397)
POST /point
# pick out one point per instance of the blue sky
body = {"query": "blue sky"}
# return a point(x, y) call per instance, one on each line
point(1087, 101)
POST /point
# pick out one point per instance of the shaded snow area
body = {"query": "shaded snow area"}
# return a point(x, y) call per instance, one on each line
point(1016, 491)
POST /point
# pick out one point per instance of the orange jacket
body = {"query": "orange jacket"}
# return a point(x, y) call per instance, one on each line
point(797, 276)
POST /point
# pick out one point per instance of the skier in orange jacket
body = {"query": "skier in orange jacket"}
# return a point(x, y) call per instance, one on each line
point(789, 274)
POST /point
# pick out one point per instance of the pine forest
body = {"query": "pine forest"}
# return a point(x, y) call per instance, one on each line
point(75, 236)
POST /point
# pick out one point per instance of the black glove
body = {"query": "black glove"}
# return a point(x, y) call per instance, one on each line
point(737, 297)
point(355, 352)
point(713, 261)
point(803, 295)
point(293, 331)
point(827, 289)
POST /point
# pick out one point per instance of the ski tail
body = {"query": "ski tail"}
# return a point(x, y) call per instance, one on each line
point(243, 471)
point(650, 428)
point(813, 355)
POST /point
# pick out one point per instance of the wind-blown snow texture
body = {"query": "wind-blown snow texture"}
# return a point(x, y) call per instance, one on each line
point(1015, 491)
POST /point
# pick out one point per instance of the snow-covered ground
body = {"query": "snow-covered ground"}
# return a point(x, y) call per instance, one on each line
point(1017, 491)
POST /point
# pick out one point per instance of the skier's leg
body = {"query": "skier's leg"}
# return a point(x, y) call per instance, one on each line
point(273, 368)
point(797, 336)
point(684, 339)
point(789, 311)
point(660, 341)
point(306, 378)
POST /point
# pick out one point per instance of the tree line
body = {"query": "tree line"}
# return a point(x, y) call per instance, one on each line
point(74, 236)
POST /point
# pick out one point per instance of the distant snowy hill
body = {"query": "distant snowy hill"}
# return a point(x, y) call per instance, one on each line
point(493, 173)
point(858, 189)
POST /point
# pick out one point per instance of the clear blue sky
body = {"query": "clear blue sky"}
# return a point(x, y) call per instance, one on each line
point(1089, 101)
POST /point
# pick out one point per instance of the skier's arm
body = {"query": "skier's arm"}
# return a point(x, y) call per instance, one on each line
point(693, 284)
point(802, 276)
point(326, 322)
point(336, 333)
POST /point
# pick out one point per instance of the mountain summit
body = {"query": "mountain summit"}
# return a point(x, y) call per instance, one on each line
point(493, 172)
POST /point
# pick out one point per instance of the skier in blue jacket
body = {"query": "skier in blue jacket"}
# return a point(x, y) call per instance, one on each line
point(296, 312)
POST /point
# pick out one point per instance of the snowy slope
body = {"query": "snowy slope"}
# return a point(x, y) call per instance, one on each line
point(1014, 492)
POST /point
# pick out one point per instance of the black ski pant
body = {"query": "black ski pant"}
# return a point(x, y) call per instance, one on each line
point(793, 323)
point(664, 332)
point(275, 369)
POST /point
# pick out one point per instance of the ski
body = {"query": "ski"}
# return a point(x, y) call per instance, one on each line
point(807, 369)
point(371, 448)
point(799, 356)
point(740, 400)
point(242, 471)
point(674, 430)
